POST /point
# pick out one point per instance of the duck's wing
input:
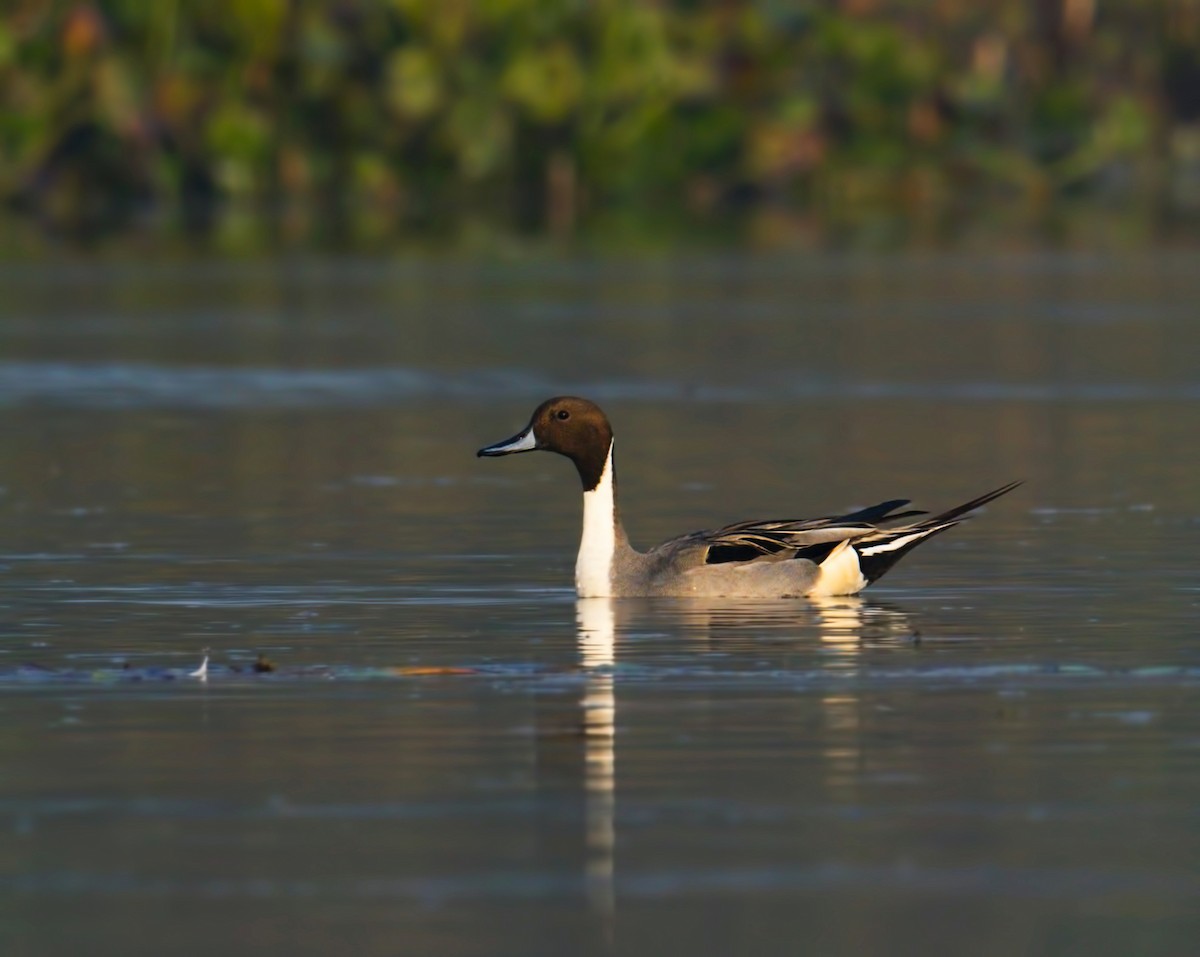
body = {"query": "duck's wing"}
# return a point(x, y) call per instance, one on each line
point(745, 541)
point(780, 539)
point(873, 532)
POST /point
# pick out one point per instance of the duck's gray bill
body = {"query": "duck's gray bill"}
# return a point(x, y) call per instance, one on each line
point(522, 442)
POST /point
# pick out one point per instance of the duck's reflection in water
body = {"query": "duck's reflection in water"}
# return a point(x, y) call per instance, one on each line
point(847, 627)
point(595, 619)
point(849, 624)
point(844, 627)
point(834, 635)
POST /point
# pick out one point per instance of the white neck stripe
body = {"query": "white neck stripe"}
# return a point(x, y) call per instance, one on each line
point(598, 545)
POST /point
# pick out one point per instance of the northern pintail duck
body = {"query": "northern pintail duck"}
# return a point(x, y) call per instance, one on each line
point(790, 558)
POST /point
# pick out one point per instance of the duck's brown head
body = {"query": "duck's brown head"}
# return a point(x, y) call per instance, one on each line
point(567, 425)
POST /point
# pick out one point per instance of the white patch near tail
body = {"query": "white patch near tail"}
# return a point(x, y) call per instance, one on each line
point(840, 574)
point(593, 566)
point(903, 540)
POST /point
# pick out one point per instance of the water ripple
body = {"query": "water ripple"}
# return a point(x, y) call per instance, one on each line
point(908, 879)
point(120, 385)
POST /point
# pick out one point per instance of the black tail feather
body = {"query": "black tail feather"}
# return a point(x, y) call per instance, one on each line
point(972, 505)
point(879, 513)
point(911, 513)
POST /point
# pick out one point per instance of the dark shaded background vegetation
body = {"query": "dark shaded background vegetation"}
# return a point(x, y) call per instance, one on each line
point(356, 119)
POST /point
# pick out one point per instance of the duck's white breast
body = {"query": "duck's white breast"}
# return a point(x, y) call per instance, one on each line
point(598, 545)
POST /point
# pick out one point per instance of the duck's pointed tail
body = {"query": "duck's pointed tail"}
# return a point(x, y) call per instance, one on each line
point(879, 551)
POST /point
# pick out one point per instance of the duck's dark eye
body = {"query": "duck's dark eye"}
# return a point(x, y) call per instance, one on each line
point(562, 415)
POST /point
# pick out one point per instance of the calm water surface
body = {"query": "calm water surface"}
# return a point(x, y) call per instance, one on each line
point(996, 751)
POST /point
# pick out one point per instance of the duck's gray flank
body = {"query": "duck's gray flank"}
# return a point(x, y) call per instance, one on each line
point(835, 555)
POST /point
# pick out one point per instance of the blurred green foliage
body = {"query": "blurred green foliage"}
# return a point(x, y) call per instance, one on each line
point(398, 112)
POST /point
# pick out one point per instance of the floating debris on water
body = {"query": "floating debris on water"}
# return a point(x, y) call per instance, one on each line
point(201, 672)
point(126, 672)
point(1007, 677)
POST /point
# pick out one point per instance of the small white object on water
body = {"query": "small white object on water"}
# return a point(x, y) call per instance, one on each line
point(202, 671)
